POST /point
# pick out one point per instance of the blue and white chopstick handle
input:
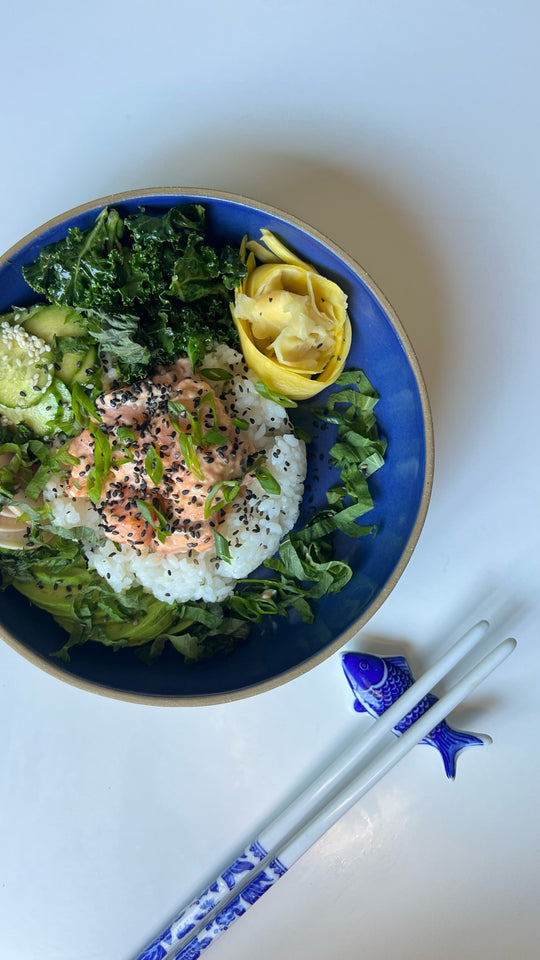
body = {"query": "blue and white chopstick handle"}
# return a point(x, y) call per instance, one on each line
point(168, 944)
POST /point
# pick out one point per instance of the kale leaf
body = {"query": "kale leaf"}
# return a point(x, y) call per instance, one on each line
point(147, 287)
point(84, 269)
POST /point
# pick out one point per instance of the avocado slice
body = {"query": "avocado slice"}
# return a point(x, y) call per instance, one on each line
point(157, 617)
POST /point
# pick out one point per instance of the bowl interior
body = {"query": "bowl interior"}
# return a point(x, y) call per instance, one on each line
point(276, 649)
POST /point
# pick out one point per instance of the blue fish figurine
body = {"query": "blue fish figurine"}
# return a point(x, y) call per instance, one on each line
point(378, 681)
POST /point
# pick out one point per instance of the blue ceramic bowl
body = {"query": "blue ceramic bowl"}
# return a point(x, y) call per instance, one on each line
point(277, 650)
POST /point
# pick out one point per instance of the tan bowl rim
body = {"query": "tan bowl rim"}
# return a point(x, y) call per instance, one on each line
point(56, 670)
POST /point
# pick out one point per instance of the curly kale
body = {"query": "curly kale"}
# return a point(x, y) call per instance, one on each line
point(147, 287)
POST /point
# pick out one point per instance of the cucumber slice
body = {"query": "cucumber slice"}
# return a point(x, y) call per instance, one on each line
point(48, 321)
point(78, 368)
point(55, 404)
point(88, 368)
point(53, 321)
point(26, 366)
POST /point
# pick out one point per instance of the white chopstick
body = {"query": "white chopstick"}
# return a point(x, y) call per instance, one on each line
point(284, 841)
point(351, 756)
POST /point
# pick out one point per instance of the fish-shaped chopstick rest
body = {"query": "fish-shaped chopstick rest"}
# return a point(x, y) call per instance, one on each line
point(377, 682)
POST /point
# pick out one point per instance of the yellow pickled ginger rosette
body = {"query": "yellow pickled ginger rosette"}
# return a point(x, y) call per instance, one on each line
point(293, 325)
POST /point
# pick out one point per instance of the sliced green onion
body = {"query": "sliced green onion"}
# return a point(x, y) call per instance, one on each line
point(213, 435)
point(93, 485)
point(185, 442)
point(200, 438)
point(267, 481)
point(215, 373)
point(153, 466)
point(272, 395)
point(301, 434)
point(124, 433)
point(182, 411)
point(228, 488)
point(81, 401)
point(102, 462)
point(222, 547)
point(241, 424)
point(152, 515)
point(102, 452)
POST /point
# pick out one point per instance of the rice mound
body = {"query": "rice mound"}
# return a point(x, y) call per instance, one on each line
point(254, 527)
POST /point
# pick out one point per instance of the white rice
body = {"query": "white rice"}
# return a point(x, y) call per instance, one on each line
point(266, 518)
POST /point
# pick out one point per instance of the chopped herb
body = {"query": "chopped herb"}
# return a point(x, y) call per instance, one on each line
point(185, 442)
point(125, 433)
point(222, 547)
point(228, 490)
point(153, 466)
point(81, 401)
point(301, 434)
point(154, 517)
point(272, 395)
point(215, 373)
point(200, 437)
point(267, 481)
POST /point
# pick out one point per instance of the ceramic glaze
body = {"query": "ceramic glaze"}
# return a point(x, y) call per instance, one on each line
point(377, 682)
point(275, 651)
point(206, 905)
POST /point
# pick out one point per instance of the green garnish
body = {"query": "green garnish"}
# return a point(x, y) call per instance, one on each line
point(241, 424)
point(81, 401)
point(212, 435)
point(228, 489)
point(124, 433)
point(180, 410)
point(272, 395)
point(200, 438)
point(222, 547)
point(102, 462)
point(155, 518)
point(185, 442)
point(267, 481)
point(215, 373)
point(301, 434)
point(153, 466)
point(63, 457)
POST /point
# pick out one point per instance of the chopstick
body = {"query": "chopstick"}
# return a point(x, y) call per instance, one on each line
point(291, 834)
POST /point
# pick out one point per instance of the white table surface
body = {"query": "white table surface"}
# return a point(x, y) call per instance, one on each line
point(407, 132)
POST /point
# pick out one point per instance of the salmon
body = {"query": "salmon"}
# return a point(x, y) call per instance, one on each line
point(138, 506)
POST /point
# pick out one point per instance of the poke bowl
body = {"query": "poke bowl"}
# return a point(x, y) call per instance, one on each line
point(135, 328)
